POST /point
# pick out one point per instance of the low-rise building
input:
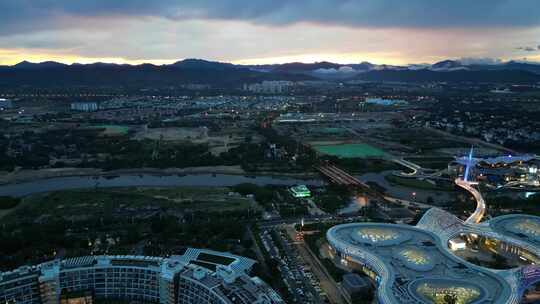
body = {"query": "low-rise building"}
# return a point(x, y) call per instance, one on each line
point(84, 106)
point(269, 87)
point(355, 287)
point(5, 103)
point(300, 191)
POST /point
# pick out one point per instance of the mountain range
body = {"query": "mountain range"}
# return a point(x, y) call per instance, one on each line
point(50, 73)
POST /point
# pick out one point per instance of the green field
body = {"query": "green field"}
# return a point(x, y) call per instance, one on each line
point(111, 129)
point(351, 150)
point(330, 130)
point(92, 202)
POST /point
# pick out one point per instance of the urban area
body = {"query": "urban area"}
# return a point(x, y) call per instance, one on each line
point(279, 191)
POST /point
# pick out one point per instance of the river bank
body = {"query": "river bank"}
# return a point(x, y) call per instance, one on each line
point(23, 176)
point(22, 189)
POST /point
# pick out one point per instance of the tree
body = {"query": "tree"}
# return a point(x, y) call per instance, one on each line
point(450, 299)
point(8, 202)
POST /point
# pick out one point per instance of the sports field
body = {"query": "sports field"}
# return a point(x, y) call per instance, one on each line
point(350, 150)
point(112, 129)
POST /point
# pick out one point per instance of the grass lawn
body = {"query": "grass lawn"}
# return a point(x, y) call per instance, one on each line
point(351, 150)
point(431, 162)
point(417, 183)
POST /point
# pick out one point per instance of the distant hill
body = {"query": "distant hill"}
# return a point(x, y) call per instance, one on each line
point(205, 65)
point(425, 75)
point(104, 74)
point(448, 65)
point(46, 64)
point(511, 65)
point(446, 70)
point(298, 67)
point(220, 74)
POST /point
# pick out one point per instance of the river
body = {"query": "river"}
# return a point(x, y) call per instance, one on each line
point(203, 180)
point(144, 180)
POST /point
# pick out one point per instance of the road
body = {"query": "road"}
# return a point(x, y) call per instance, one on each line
point(327, 282)
point(414, 167)
point(258, 250)
point(418, 171)
point(478, 214)
point(284, 264)
point(294, 263)
point(341, 177)
point(407, 203)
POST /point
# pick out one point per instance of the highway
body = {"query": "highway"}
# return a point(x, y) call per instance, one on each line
point(480, 211)
point(340, 177)
point(418, 171)
point(414, 167)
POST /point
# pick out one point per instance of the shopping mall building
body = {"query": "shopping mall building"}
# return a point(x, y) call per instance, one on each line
point(421, 264)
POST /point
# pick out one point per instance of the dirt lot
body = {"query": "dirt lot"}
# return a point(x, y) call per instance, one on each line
point(218, 142)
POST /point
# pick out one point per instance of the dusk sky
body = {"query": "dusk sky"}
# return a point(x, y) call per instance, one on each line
point(256, 31)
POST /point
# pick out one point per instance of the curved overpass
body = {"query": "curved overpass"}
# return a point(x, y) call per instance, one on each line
point(480, 211)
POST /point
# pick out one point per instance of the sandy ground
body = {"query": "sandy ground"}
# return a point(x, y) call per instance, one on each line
point(26, 175)
point(172, 134)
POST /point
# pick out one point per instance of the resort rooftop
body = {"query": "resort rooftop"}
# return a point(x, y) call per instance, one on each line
point(413, 264)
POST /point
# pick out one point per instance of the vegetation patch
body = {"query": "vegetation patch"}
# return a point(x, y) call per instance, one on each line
point(417, 183)
point(8, 202)
point(333, 198)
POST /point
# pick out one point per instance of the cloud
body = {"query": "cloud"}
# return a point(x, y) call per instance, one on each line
point(153, 39)
point(256, 31)
point(475, 60)
point(340, 70)
point(528, 48)
point(33, 15)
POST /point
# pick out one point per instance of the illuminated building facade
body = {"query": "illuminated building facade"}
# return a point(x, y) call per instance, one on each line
point(507, 171)
point(84, 106)
point(300, 191)
point(416, 264)
point(197, 276)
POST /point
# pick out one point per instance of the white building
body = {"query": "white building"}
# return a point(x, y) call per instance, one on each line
point(269, 87)
point(84, 106)
point(5, 103)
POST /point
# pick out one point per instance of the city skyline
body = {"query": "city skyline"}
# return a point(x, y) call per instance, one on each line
point(256, 32)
